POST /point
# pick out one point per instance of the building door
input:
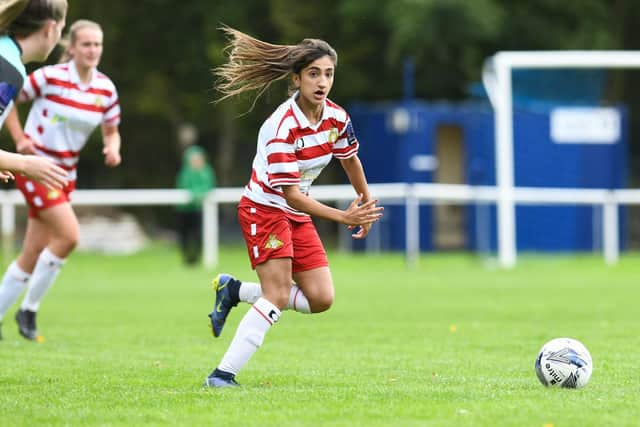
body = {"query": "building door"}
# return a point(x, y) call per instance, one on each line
point(449, 221)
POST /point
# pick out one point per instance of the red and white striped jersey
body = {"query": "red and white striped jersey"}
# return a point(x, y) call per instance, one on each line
point(291, 151)
point(66, 111)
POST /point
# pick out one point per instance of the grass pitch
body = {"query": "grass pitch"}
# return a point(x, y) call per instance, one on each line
point(451, 343)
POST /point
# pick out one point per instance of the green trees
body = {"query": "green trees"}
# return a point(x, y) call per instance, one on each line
point(160, 52)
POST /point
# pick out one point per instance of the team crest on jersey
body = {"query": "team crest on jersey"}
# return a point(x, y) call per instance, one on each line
point(273, 242)
point(53, 194)
point(333, 135)
point(98, 102)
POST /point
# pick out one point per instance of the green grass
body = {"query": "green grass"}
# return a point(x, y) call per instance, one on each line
point(451, 343)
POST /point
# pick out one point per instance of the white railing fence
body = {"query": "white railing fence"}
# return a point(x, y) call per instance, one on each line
point(410, 195)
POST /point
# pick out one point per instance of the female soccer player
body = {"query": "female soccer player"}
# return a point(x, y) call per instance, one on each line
point(70, 100)
point(294, 144)
point(29, 30)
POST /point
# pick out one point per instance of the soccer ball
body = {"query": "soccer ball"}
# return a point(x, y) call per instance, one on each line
point(564, 362)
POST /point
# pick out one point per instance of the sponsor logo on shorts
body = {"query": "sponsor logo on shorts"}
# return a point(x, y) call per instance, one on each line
point(53, 194)
point(273, 242)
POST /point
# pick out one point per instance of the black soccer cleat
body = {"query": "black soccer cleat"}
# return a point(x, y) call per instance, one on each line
point(26, 320)
point(220, 379)
point(226, 289)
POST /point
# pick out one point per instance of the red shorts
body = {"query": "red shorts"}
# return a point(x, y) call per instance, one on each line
point(270, 233)
point(39, 196)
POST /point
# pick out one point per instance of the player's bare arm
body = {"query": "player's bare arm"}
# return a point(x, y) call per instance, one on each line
point(38, 168)
point(355, 172)
point(24, 144)
point(357, 213)
point(111, 140)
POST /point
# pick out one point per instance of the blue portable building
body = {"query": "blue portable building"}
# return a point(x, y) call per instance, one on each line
point(415, 142)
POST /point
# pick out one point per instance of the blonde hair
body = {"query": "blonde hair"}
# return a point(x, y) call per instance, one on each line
point(23, 18)
point(253, 65)
point(71, 38)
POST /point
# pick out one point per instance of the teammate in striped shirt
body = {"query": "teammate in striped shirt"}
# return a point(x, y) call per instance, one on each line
point(294, 144)
point(70, 100)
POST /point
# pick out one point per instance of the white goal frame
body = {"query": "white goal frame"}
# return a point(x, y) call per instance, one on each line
point(496, 77)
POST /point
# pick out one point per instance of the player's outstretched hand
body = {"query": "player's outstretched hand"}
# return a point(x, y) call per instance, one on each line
point(363, 215)
point(44, 171)
point(361, 230)
point(6, 176)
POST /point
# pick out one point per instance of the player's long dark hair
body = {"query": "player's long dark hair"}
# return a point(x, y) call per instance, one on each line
point(254, 65)
point(23, 18)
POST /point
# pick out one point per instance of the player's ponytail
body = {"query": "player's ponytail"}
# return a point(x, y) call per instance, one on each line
point(254, 65)
point(9, 10)
point(71, 38)
point(23, 18)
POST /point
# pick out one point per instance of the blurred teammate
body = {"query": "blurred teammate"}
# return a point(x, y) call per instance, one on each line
point(70, 100)
point(29, 30)
point(294, 144)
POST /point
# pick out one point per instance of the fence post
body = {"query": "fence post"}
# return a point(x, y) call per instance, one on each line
point(344, 234)
point(412, 226)
point(210, 238)
point(610, 229)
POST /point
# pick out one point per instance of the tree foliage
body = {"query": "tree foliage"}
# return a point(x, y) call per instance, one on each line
point(160, 53)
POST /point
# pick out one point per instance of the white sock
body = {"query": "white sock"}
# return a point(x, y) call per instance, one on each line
point(297, 301)
point(250, 292)
point(45, 272)
point(249, 335)
point(13, 283)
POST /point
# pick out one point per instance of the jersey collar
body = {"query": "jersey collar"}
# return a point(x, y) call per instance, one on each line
point(75, 78)
point(17, 44)
point(301, 118)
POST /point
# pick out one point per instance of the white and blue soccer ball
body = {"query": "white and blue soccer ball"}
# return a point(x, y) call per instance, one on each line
point(564, 362)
